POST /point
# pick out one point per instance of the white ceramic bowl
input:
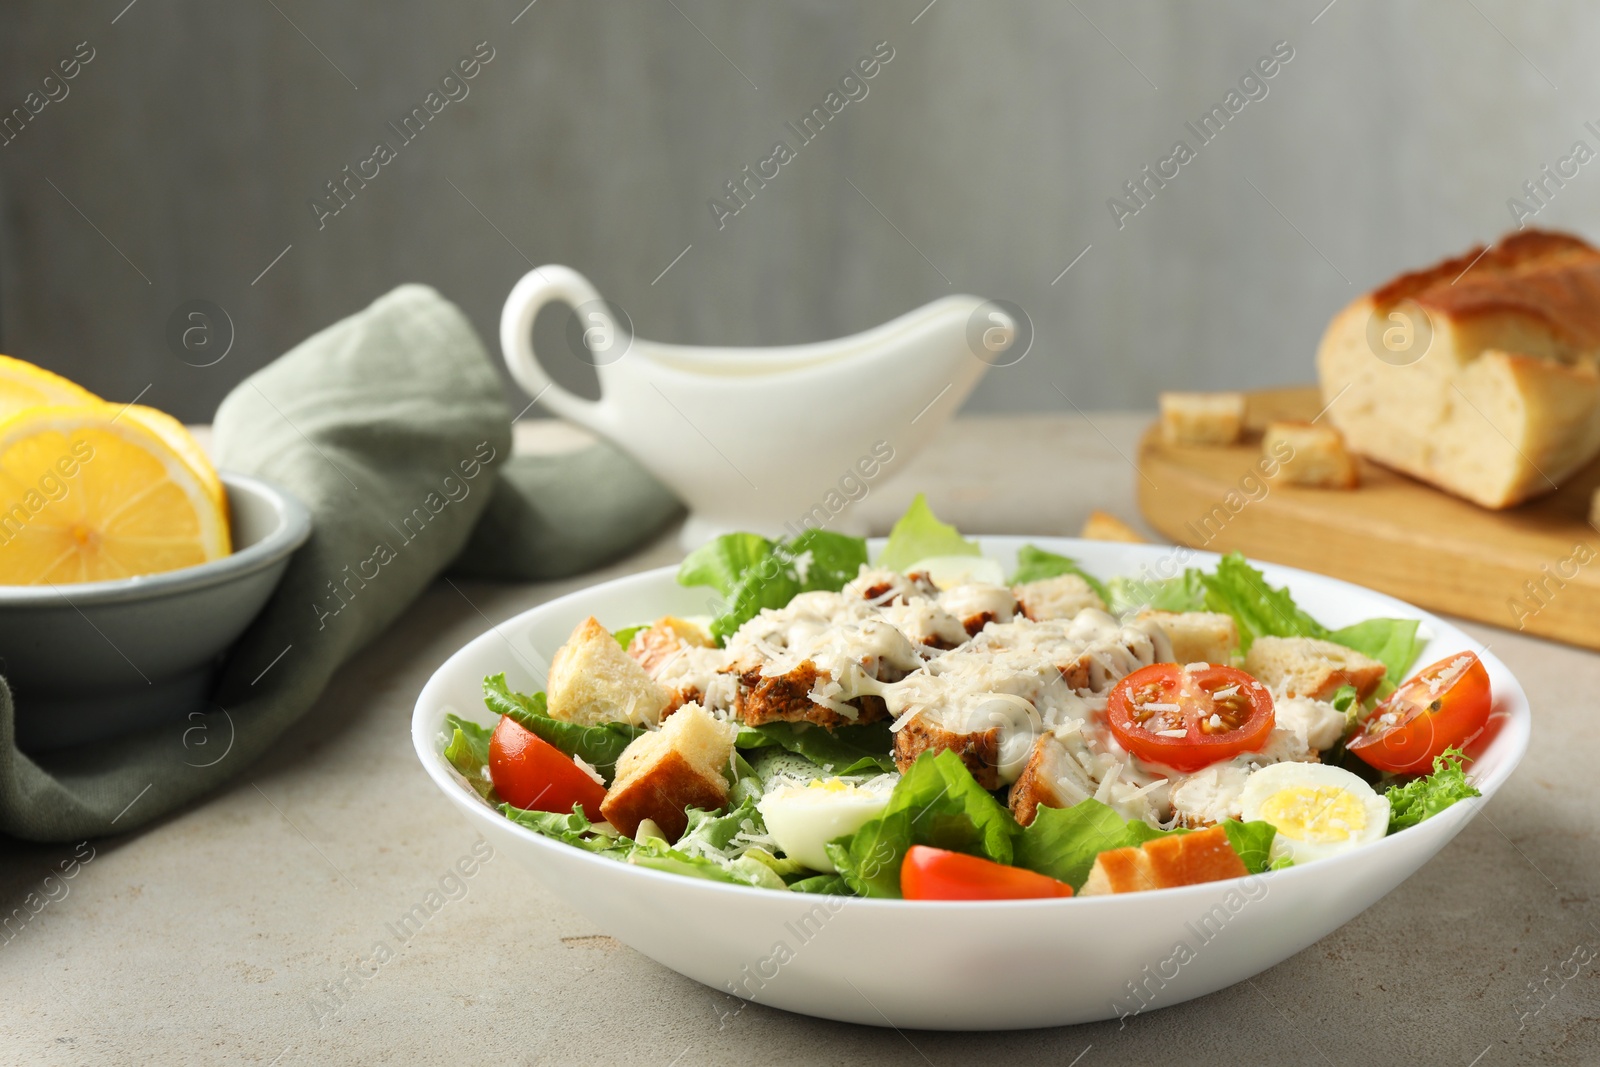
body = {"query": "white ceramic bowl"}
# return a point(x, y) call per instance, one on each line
point(957, 965)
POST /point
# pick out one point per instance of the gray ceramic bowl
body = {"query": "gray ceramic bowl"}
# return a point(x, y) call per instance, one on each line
point(101, 659)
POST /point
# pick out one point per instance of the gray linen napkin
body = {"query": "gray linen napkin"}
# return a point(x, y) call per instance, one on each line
point(361, 422)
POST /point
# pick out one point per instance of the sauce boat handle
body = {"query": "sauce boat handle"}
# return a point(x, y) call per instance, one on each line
point(602, 335)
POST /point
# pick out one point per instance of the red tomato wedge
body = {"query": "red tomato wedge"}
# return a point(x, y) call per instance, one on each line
point(530, 773)
point(938, 874)
point(1188, 719)
point(1444, 705)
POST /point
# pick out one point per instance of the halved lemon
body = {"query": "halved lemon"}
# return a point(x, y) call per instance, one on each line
point(89, 494)
point(22, 386)
point(181, 441)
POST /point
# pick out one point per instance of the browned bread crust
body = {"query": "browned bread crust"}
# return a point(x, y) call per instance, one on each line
point(1503, 402)
point(1536, 275)
point(660, 790)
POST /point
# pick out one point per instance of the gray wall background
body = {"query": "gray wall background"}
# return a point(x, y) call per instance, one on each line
point(981, 160)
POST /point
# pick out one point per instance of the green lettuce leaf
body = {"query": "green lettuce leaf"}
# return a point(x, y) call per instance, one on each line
point(822, 883)
point(1184, 592)
point(1240, 590)
point(624, 636)
point(1253, 842)
point(1423, 798)
point(720, 563)
point(1063, 842)
point(573, 828)
point(598, 745)
point(936, 803)
point(749, 571)
point(830, 559)
point(845, 750)
point(468, 752)
point(1035, 564)
point(709, 832)
point(920, 535)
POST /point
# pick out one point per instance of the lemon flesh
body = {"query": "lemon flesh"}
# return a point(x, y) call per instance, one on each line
point(89, 494)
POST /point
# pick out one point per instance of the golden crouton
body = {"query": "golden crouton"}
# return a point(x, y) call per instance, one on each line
point(593, 681)
point(665, 638)
point(1197, 636)
point(1201, 418)
point(978, 749)
point(1102, 526)
point(787, 698)
point(1306, 667)
point(1165, 862)
point(1316, 455)
point(664, 771)
point(1061, 597)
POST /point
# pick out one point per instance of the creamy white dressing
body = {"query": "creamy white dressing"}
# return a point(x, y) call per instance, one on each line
point(973, 599)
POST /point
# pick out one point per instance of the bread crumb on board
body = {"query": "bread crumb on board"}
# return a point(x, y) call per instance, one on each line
point(1202, 418)
point(1311, 455)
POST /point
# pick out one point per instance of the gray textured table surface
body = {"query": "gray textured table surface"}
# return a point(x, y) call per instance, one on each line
point(232, 932)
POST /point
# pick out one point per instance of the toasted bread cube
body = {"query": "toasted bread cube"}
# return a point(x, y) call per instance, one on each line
point(665, 638)
point(1201, 418)
point(1166, 862)
point(1061, 597)
point(593, 681)
point(1307, 667)
point(1594, 510)
point(1103, 526)
point(1197, 636)
point(978, 749)
point(1316, 455)
point(667, 770)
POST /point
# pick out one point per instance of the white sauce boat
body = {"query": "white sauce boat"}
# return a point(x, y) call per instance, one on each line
point(765, 439)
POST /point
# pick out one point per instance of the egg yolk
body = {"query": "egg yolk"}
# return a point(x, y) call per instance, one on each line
point(1321, 815)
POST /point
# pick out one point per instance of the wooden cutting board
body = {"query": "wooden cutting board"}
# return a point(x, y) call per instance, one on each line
point(1534, 568)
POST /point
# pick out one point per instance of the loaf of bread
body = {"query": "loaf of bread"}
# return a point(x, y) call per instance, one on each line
point(1480, 375)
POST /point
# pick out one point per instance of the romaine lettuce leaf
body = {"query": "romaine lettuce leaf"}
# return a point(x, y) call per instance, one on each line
point(830, 559)
point(937, 803)
point(753, 573)
point(1063, 842)
point(920, 535)
point(845, 750)
point(1423, 798)
point(1184, 592)
point(1035, 564)
point(722, 562)
point(1238, 589)
point(468, 752)
point(573, 828)
point(624, 636)
point(822, 883)
point(1253, 842)
point(598, 745)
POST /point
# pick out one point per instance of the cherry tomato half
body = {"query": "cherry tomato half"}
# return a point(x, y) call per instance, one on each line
point(530, 773)
point(1444, 705)
point(937, 874)
point(1188, 719)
